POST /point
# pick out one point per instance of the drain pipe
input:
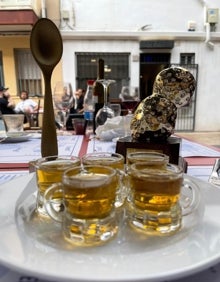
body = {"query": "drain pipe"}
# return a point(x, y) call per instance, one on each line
point(207, 26)
point(43, 9)
point(207, 41)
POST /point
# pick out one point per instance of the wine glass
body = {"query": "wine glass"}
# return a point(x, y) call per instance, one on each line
point(130, 98)
point(63, 100)
point(116, 109)
point(105, 112)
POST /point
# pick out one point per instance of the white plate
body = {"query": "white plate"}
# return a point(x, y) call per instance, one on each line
point(14, 137)
point(36, 247)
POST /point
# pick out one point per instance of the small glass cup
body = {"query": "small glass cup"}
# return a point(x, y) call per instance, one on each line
point(154, 204)
point(152, 159)
point(113, 160)
point(79, 125)
point(116, 109)
point(49, 170)
point(87, 210)
point(14, 123)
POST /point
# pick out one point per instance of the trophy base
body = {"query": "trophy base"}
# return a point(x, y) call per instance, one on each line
point(170, 147)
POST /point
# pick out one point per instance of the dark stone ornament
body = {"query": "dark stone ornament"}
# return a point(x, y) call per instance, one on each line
point(154, 119)
point(176, 84)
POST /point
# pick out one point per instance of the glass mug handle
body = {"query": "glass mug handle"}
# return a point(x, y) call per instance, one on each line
point(190, 196)
point(53, 201)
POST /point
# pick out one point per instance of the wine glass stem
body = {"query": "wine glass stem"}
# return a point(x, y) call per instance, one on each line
point(105, 95)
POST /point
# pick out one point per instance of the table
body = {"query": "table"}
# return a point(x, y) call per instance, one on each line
point(200, 159)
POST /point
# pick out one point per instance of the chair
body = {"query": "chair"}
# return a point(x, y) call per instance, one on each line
point(33, 118)
point(69, 125)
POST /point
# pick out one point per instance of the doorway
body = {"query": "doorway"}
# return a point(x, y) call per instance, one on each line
point(150, 65)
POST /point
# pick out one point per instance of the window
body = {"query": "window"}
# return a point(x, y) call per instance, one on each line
point(28, 73)
point(186, 115)
point(187, 58)
point(116, 66)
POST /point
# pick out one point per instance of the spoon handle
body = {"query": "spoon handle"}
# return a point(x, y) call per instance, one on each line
point(49, 145)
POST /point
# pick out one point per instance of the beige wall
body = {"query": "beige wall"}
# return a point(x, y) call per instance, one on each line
point(9, 43)
point(7, 46)
point(53, 10)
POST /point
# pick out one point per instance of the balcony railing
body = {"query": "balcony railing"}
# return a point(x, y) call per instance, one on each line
point(18, 16)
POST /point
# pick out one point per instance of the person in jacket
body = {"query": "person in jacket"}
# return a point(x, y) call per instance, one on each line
point(6, 103)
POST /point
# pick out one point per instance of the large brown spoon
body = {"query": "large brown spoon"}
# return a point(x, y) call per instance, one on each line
point(47, 48)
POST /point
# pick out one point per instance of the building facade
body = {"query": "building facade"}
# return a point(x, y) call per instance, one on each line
point(143, 36)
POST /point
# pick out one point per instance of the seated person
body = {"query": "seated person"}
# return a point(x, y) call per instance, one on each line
point(6, 103)
point(78, 110)
point(79, 94)
point(80, 100)
point(26, 105)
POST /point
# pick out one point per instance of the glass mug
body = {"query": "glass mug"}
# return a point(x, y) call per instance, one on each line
point(87, 210)
point(79, 125)
point(49, 170)
point(151, 159)
point(155, 202)
point(113, 160)
point(14, 123)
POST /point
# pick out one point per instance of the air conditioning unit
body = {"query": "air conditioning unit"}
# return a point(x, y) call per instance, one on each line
point(212, 16)
point(65, 15)
point(191, 25)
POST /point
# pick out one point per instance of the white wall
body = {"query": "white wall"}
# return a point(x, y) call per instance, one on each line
point(208, 92)
point(166, 17)
point(163, 15)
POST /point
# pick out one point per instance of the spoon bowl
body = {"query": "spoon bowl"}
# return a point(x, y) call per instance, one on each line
point(47, 49)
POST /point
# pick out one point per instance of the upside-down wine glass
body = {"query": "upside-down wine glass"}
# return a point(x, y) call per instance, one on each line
point(105, 112)
point(130, 99)
point(63, 101)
